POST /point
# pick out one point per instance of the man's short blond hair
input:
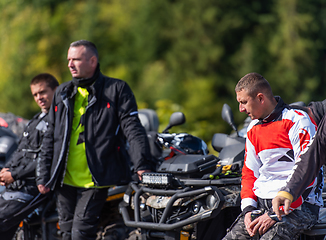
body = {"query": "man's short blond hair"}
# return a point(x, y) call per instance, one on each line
point(254, 83)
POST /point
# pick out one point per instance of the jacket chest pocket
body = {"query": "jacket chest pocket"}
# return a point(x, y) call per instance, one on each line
point(102, 117)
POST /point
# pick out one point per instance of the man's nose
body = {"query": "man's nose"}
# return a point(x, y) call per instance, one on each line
point(70, 64)
point(39, 96)
point(241, 108)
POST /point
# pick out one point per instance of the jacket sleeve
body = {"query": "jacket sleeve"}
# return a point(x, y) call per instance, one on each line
point(44, 160)
point(134, 131)
point(301, 135)
point(318, 110)
point(308, 164)
point(20, 166)
point(250, 173)
point(14, 159)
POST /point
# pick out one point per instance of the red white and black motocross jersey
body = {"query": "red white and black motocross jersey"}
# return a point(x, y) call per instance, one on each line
point(273, 146)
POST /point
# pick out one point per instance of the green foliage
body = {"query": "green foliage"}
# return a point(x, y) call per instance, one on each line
point(176, 55)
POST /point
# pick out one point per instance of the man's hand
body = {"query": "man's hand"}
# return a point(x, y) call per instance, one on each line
point(279, 201)
point(43, 189)
point(140, 172)
point(4, 170)
point(261, 224)
point(5, 177)
point(247, 222)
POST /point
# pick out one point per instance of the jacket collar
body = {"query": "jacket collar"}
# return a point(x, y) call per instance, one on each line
point(276, 112)
point(86, 82)
point(71, 89)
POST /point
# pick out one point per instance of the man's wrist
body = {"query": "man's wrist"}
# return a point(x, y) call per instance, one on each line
point(285, 195)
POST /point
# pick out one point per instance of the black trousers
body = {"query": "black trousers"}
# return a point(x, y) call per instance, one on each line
point(79, 210)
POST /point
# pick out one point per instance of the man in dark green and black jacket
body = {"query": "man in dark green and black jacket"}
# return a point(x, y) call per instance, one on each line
point(83, 151)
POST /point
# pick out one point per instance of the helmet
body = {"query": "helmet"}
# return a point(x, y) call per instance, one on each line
point(190, 144)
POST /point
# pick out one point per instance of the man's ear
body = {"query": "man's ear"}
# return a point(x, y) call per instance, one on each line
point(93, 61)
point(261, 97)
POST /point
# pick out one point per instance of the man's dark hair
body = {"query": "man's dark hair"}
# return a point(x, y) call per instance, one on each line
point(90, 47)
point(254, 83)
point(50, 80)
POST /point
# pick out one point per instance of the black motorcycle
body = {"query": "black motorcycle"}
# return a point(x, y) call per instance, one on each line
point(11, 127)
point(8, 144)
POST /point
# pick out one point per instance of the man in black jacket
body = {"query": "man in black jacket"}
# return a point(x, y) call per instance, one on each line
point(83, 152)
point(308, 166)
point(18, 175)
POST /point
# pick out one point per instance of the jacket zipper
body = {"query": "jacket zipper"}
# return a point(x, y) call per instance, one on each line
point(91, 103)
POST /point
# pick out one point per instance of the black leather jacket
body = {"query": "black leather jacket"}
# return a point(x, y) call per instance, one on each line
point(111, 108)
point(313, 158)
point(22, 162)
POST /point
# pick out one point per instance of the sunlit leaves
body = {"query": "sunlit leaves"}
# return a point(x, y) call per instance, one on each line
point(175, 55)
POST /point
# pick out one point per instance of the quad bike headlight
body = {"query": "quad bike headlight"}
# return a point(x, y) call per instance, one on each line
point(196, 207)
point(211, 201)
point(156, 178)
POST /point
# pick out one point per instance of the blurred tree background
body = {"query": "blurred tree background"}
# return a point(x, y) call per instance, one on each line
point(176, 55)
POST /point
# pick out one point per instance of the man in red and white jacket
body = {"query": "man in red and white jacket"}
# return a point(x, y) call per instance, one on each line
point(276, 138)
